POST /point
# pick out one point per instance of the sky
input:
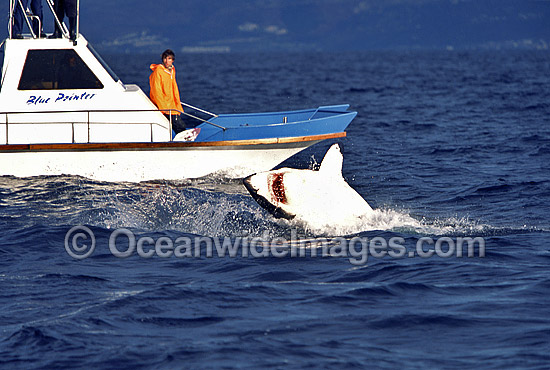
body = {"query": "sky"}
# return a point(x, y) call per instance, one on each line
point(308, 25)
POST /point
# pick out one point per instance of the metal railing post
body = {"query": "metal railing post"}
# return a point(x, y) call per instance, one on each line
point(10, 24)
point(77, 31)
point(61, 25)
point(7, 129)
point(33, 17)
point(26, 18)
point(170, 130)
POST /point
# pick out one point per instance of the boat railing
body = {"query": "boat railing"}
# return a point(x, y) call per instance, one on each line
point(202, 111)
point(16, 5)
point(88, 120)
point(59, 23)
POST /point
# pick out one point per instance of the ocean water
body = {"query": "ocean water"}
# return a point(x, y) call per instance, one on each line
point(446, 146)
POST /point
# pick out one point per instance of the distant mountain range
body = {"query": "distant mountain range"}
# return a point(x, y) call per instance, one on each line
point(294, 25)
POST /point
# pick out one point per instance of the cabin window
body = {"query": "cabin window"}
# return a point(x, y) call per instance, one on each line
point(58, 69)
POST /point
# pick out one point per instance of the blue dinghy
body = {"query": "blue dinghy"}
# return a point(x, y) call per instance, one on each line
point(291, 124)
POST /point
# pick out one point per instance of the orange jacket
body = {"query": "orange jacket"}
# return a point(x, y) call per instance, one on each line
point(164, 89)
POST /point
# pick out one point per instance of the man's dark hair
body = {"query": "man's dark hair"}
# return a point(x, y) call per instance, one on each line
point(168, 53)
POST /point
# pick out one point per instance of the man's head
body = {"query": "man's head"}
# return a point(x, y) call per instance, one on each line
point(168, 58)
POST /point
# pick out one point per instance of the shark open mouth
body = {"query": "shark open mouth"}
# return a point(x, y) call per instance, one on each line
point(274, 210)
point(277, 187)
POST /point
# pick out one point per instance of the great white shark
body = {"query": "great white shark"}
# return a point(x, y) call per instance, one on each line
point(319, 197)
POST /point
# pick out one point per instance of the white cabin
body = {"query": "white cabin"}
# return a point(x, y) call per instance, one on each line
point(61, 91)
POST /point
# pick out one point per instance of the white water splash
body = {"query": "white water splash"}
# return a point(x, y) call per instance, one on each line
point(386, 219)
point(226, 210)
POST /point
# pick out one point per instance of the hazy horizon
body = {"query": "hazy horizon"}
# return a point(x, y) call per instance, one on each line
point(308, 25)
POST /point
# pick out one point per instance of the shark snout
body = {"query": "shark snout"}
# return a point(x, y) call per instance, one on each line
point(248, 184)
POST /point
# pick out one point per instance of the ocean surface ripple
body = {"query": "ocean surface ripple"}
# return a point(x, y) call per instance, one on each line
point(446, 145)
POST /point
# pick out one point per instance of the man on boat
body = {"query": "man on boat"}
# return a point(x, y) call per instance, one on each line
point(18, 18)
point(64, 8)
point(164, 90)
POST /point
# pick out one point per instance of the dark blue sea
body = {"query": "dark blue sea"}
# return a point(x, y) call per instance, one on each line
point(445, 146)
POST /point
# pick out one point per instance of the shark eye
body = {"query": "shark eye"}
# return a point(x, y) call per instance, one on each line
point(278, 187)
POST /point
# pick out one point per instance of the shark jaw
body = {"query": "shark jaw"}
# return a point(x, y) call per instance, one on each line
point(275, 210)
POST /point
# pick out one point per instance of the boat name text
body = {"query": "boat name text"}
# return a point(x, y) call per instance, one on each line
point(35, 100)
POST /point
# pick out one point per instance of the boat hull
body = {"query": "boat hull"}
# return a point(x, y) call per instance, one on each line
point(135, 162)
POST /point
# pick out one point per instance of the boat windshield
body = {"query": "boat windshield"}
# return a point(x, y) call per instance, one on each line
point(105, 65)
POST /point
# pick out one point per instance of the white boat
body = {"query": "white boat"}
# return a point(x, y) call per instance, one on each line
point(63, 111)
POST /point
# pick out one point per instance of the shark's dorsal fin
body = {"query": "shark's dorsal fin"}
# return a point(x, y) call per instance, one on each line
point(332, 162)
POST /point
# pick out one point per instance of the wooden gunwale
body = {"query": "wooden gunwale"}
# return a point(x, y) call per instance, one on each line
point(163, 145)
